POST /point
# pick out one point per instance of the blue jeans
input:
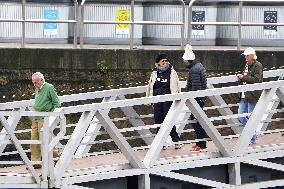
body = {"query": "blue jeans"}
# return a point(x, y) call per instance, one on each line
point(246, 107)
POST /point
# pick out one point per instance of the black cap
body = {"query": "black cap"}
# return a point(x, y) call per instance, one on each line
point(161, 56)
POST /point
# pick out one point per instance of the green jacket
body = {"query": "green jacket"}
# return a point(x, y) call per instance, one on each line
point(46, 99)
point(255, 75)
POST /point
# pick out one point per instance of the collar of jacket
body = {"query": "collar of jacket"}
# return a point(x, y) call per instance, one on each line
point(250, 65)
point(156, 69)
point(192, 64)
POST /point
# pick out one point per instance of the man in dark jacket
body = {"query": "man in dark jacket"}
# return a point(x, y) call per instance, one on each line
point(253, 73)
point(196, 80)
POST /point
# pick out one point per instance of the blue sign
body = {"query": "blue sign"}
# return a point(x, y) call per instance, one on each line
point(50, 28)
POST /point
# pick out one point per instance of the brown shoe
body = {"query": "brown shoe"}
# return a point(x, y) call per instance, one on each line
point(198, 149)
point(37, 166)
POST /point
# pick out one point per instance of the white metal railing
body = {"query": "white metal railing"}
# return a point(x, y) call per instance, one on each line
point(132, 23)
point(79, 22)
point(240, 23)
point(79, 17)
point(126, 91)
point(82, 134)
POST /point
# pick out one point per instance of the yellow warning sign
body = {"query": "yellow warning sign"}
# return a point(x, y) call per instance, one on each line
point(122, 15)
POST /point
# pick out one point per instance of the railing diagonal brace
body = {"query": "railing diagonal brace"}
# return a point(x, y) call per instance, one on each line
point(19, 148)
point(254, 121)
point(163, 133)
point(70, 148)
point(119, 140)
point(136, 121)
point(280, 94)
point(12, 121)
point(93, 128)
point(208, 126)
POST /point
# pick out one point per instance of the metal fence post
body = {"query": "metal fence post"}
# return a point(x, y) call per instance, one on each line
point(240, 24)
point(189, 26)
point(132, 25)
point(182, 26)
point(81, 25)
point(23, 23)
point(75, 25)
point(44, 137)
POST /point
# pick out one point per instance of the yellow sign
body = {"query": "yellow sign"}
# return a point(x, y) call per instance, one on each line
point(122, 15)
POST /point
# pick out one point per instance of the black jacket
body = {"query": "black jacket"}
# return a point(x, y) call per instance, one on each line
point(197, 77)
point(162, 84)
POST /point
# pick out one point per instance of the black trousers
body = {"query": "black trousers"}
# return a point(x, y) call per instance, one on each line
point(199, 131)
point(160, 111)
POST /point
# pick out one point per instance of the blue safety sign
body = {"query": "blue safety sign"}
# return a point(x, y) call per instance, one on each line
point(50, 28)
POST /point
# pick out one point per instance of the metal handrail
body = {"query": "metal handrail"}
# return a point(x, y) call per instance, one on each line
point(24, 21)
point(239, 23)
point(132, 23)
point(79, 19)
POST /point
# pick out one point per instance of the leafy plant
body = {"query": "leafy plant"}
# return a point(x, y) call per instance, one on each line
point(102, 67)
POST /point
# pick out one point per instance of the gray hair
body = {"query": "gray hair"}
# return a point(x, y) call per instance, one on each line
point(39, 75)
point(254, 57)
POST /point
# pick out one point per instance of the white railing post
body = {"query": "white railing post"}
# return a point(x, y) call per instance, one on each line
point(45, 139)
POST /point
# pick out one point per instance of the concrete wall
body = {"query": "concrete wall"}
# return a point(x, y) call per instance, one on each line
point(84, 68)
point(82, 59)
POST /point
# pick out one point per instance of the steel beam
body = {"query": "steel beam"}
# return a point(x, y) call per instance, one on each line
point(209, 128)
point(254, 121)
point(19, 148)
point(135, 120)
point(163, 133)
point(119, 140)
point(71, 146)
point(191, 179)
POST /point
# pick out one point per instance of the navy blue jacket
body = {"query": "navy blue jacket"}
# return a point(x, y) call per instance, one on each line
point(197, 77)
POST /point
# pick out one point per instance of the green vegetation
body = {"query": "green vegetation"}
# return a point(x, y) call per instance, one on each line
point(102, 67)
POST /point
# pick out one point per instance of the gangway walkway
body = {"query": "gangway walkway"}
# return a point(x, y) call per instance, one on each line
point(80, 162)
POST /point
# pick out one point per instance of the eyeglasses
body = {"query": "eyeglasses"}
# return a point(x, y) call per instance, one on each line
point(165, 60)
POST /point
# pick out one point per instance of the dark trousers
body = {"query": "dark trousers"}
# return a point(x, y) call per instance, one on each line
point(160, 111)
point(199, 131)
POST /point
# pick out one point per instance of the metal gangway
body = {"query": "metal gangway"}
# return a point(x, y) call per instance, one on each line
point(114, 116)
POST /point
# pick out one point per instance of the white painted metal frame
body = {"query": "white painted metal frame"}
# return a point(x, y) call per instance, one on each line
point(98, 113)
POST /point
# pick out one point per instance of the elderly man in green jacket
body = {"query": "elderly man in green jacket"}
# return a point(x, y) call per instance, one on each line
point(46, 100)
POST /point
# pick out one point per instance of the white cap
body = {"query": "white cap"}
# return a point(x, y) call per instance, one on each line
point(249, 51)
point(188, 53)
